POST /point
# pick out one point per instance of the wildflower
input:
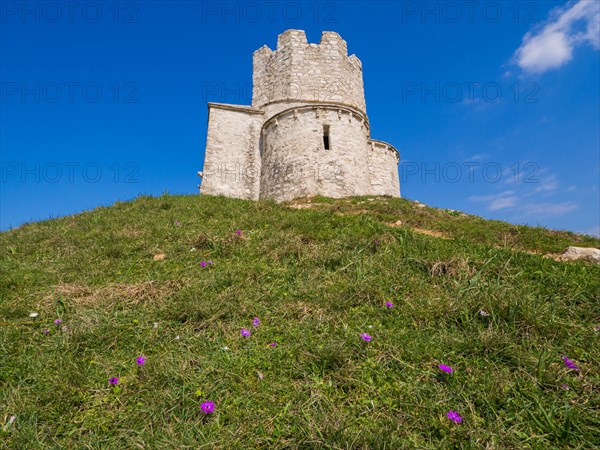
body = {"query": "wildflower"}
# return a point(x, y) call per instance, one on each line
point(176, 338)
point(245, 333)
point(210, 263)
point(113, 381)
point(365, 337)
point(389, 304)
point(274, 344)
point(141, 360)
point(565, 386)
point(225, 348)
point(238, 232)
point(155, 324)
point(33, 314)
point(177, 222)
point(46, 331)
point(454, 416)
point(255, 322)
point(445, 368)
point(57, 322)
point(484, 313)
point(207, 407)
point(570, 364)
point(203, 264)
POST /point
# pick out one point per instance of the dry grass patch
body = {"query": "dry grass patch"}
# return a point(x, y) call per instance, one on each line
point(433, 233)
point(122, 293)
point(300, 205)
point(302, 310)
point(356, 212)
point(130, 231)
point(455, 268)
point(437, 234)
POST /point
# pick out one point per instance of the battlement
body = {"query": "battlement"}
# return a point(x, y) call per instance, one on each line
point(298, 71)
point(290, 39)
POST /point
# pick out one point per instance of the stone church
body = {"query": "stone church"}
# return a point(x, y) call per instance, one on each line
point(306, 133)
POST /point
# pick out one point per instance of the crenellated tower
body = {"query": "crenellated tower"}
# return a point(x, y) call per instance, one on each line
point(307, 131)
point(301, 72)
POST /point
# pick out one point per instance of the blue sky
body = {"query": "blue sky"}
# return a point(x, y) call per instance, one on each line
point(494, 106)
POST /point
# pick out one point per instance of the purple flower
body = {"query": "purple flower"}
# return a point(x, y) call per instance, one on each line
point(177, 222)
point(57, 322)
point(445, 368)
point(207, 407)
point(256, 322)
point(389, 304)
point(274, 344)
point(570, 364)
point(210, 263)
point(245, 333)
point(141, 360)
point(203, 264)
point(365, 337)
point(46, 331)
point(113, 381)
point(454, 416)
point(238, 232)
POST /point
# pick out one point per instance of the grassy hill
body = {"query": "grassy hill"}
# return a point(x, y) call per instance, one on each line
point(482, 297)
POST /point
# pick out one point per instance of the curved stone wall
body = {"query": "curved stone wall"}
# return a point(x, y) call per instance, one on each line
point(295, 162)
point(383, 169)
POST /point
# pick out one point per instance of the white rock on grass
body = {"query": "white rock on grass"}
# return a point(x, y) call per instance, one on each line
point(589, 253)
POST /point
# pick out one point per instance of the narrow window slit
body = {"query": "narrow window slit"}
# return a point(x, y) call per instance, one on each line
point(326, 136)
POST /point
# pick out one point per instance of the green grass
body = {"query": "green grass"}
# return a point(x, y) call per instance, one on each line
point(317, 277)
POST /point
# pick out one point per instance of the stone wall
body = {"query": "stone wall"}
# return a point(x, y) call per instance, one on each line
point(299, 71)
point(383, 168)
point(232, 161)
point(295, 162)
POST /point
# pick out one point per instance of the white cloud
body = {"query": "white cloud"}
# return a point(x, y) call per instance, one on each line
point(526, 200)
point(548, 184)
point(502, 203)
point(509, 201)
point(547, 209)
point(552, 46)
point(503, 200)
point(477, 157)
